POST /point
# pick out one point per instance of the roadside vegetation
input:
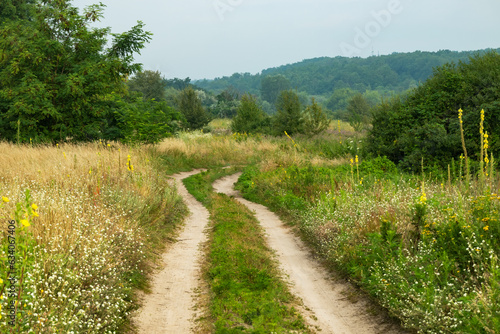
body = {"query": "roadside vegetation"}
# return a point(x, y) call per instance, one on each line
point(89, 222)
point(425, 246)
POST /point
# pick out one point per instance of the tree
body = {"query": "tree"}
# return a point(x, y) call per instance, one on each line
point(149, 83)
point(15, 9)
point(249, 118)
point(358, 112)
point(429, 114)
point(315, 120)
point(227, 104)
point(57, 77)
point(177, 83)
point(146, 121)
point(190, 106)
point(272, 86)
point(288, 117)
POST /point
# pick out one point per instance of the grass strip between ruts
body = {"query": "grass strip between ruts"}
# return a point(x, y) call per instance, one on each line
point(247, 294)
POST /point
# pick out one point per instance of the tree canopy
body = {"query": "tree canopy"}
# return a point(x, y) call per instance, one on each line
point(425, 124)
point(149, 83)
point(57, 75)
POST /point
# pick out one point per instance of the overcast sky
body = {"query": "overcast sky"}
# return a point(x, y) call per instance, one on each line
point(213, 38)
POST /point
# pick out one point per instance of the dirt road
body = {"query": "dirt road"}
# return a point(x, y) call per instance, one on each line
point(168, 309)
point(324, 297)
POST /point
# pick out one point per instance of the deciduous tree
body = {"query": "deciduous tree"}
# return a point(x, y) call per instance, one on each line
point(192, 109)
point(57, 77)
point(289, 116)
point(315, 120)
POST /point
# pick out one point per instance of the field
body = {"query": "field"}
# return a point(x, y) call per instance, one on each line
point(92, 219)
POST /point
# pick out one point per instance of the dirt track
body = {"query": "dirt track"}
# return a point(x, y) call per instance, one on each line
point(169, 308)
point(325, 298)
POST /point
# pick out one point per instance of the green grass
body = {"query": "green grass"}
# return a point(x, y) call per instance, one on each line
point(247, 294)
point(431, 260)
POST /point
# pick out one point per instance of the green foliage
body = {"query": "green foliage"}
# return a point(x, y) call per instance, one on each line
point(15, 9)
point(249, 118)
point(289, 116)
point(396, 72)
point(143, 121)
point(425, 123)
point(315, 120)
point(227, 104)
point(358, 112)
point(177, 83)
point(192, 110)
point(272, 86)
point(56, 79)
point(149, 83)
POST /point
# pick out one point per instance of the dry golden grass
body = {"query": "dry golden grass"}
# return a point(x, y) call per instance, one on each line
point(101, 216)
point(204, 150)
point(60, 175)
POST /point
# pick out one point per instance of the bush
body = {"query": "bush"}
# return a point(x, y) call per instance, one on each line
point(424, 124)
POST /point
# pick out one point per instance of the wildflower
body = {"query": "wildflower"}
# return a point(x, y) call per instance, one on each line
point(423, 198)
point(486, 228)
point(5, 199)
point(25, 222)
point(34, 206)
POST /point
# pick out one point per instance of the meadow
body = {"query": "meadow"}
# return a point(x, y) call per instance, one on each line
point(91, 220)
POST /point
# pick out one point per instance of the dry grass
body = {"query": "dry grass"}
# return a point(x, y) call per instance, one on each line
point(207, 150)
point(99, 222)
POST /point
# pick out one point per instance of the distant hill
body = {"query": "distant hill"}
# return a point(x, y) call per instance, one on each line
point(321, 76)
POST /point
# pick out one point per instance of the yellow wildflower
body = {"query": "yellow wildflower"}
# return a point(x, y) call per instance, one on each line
point(25, 222)
point(34, 206)
point(486, 228)
point(5, 199)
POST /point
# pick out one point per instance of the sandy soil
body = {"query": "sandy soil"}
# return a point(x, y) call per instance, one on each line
point(169, 307)
point(333, 312)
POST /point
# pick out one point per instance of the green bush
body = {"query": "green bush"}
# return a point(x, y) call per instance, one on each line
point(424, 124)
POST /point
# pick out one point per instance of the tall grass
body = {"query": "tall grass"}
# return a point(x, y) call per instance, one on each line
point(427, 249)
point(198, 149)
point(99, 223)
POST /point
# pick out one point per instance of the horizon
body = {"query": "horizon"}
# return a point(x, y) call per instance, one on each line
point(330, 57)
point(216, 38)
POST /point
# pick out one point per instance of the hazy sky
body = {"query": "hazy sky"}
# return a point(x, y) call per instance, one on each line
point(213, 38)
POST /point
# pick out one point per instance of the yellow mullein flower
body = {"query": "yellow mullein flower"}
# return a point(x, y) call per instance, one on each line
point(423, 198)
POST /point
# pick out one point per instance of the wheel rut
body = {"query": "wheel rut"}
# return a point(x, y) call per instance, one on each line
point(333, 312)
point(168, 309)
